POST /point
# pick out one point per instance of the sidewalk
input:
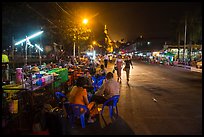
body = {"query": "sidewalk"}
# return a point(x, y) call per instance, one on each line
point(191, 68)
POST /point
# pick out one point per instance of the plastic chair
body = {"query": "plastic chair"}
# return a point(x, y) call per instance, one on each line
point(111, 103)
point(75, 111)
point(100, 82)
point(69, 112)
point(97, 82)
point(59, 96)
point(94, 84)
point(94, 79)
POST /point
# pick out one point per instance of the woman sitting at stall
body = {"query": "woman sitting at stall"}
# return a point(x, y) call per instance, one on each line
point(102, 71)
point(78, 95)
point(99, 78)
point(92, 69)
point(89, 82)
point(101, 74)
point(88, 76)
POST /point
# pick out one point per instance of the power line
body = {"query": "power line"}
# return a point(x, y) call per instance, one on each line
point(40, 14)
point(62, 9)
point(45, 18)
point(70, 15)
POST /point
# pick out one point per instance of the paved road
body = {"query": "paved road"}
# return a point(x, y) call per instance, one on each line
point(159, 100)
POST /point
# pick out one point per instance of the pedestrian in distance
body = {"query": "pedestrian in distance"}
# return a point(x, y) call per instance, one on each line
point(128, 62)
point(106, 61)
point(110, 58)
point(118, 66)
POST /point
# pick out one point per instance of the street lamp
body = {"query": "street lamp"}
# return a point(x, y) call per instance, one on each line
point(30, 37)
point(94, 52)
point(94, 42)
point(85, 22)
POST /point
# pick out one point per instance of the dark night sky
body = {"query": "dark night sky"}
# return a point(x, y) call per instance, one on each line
point(131, 19)
point(124, 19)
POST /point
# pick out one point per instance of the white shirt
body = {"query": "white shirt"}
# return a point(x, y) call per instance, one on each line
point(106, 57)
point(109, 88)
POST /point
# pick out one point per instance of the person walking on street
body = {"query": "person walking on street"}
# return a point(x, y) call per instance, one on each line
point(128, 62)
point(106, 61)
point(118, 65)
point(110, 58)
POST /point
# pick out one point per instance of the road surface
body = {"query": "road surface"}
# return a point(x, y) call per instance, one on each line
point(161, 100)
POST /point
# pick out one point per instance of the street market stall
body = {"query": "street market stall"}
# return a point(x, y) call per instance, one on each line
point(24, 99)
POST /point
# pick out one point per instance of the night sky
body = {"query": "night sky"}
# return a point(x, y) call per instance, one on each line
point(124, 20)
point(132, 19)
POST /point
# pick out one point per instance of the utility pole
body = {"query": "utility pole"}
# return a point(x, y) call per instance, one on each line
point(178, 45)
point(12, 53)
point(26, 52)
point(40, 57)
point(74, 49)
point(184, 48)
point(75, 41)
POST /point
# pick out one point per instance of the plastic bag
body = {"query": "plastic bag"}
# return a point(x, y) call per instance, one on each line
point(115, 68)
point(124, 69)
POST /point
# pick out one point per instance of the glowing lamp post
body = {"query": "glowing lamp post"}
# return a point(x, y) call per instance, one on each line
point(94, 42)
point(85, 22)
point(28, 43)
point(94, 52)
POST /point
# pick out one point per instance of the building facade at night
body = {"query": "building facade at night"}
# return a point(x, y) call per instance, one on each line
point(192, 52)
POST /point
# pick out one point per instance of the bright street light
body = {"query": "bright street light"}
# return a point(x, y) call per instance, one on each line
point(94, 42)
point(85, 21)
point(27, 40)
point(30, 37)
point(37, 46)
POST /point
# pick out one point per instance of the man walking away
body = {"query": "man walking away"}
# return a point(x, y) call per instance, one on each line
point(106, 61)
point(128, 62)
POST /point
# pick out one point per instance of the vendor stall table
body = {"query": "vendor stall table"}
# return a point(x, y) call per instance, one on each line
point(21, 104)
point(62, 76)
